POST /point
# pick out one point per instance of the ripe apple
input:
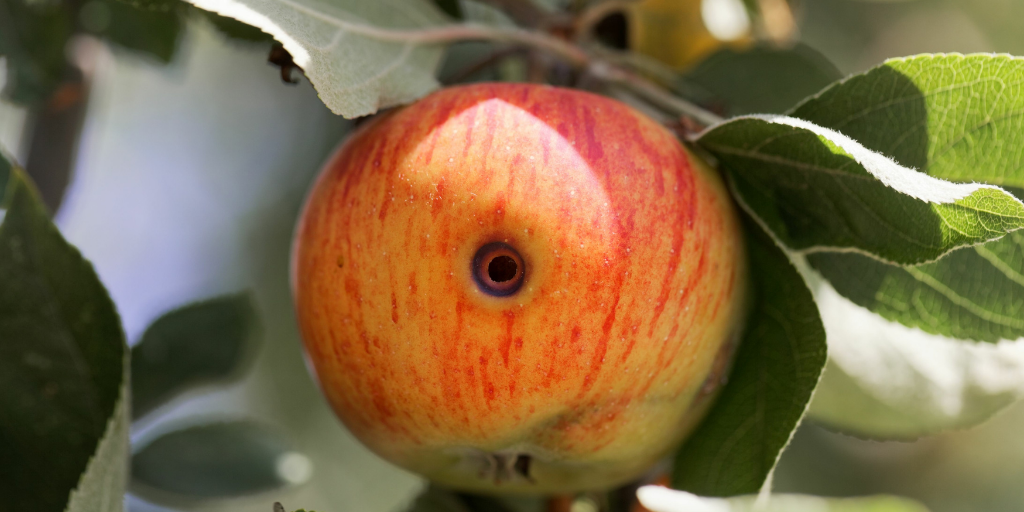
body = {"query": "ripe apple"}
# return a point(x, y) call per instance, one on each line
point(513, 287)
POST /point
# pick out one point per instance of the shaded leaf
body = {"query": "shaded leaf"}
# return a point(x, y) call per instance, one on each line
point(194, 345)
point(435, 499)
point(816, 189)
point(777, 366)
point(759, 80)
point(660, 499)
point(63, 369)
point(217, 460)
point(955, 117)
point(153, 29)
point(354, 52)
point(5, 173)
point(33, 36)
point(972, 293)
point(452, 8)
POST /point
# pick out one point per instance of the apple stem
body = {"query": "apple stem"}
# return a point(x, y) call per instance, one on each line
point(598, 67)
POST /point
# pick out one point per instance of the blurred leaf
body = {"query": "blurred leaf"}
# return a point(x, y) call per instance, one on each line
point(671, 31)
point(217, 460)
point(352, 51)
point(152, 28)
point(194, 345)
point(952, 116)
point(480, 12)
point(660, 499)
point(435, 499)
point(438, 499)
point(450, 7)
point(759, 80)
point(972, 293)
point(235, 29)
point(885, 380)
point(63, 369)
point(5, 173)
point(816, 189)
point(777, 366)
point(33, 36)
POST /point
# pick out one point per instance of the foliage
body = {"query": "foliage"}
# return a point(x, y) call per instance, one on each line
point(658, 499)
point(220, 459)
point(63, 368)
point(780, 357)
point(897, 190)
point(200, 343)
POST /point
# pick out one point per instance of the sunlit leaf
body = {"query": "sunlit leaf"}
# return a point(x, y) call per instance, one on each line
point(777, 366)
point(63, 369)
point(816, 189)
point(955, 117)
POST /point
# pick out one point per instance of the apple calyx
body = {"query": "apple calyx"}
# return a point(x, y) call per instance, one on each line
point(498, 269)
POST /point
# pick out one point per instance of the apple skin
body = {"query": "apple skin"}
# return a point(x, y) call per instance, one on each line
point(609, 353)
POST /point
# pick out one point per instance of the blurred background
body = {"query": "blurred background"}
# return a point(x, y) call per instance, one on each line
point(187, 182)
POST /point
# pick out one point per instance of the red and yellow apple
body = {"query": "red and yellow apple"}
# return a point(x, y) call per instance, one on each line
point(513, 287)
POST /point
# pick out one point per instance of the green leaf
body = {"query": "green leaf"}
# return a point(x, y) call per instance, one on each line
point(217, 460)
point(358, 55)
point(191, 346)
point(777, 366)
point(972, 293)
point(816, 189)
point(660, 499)
point(63, 369)
point(33, 36)
point(450, 7)
point(759, 80)
point(5, 174)
point(951, 116)
point(435, 499)
point(153, 28)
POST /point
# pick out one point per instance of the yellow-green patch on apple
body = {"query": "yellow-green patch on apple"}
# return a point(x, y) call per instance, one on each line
point(540, 291)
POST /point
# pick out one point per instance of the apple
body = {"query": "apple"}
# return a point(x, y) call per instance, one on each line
point(518, 288)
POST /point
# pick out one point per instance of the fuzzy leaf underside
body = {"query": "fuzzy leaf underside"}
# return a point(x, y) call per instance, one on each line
point(349, 49)
point(888, 381)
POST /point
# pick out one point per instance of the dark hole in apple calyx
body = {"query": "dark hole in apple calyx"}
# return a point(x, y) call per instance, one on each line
point(498, 269)
point(501, 269)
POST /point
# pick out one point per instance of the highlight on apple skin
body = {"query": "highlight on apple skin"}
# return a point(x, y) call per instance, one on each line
point(519, 288)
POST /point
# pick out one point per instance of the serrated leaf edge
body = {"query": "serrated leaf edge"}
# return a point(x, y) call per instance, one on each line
point(893, 176)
